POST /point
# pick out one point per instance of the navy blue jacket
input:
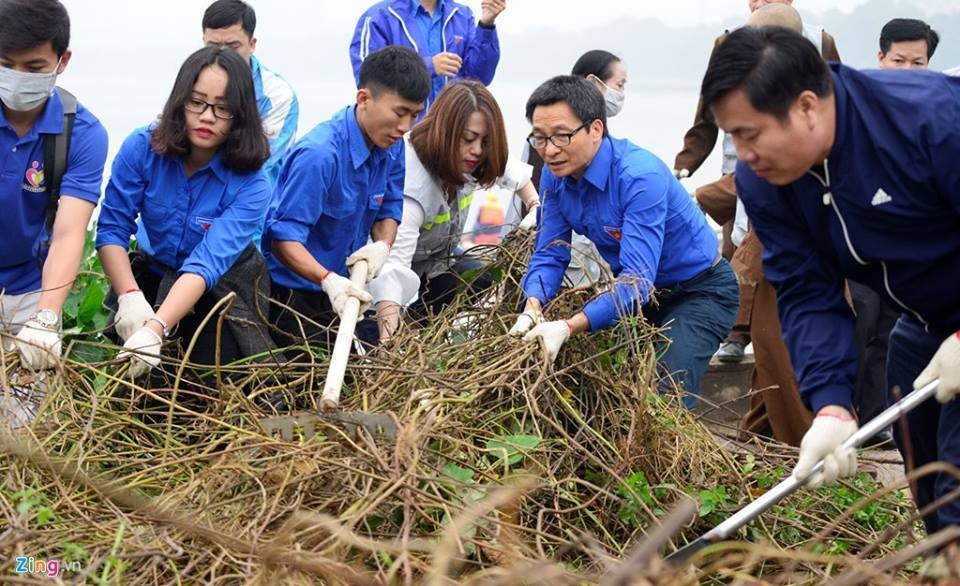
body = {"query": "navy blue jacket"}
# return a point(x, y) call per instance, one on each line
point(884, 210)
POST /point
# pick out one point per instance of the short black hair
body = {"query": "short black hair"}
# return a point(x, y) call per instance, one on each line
point(246, 148)
point(772, 65)
point(25, 24)
point(596, 62)
point(226, 13)
point(583, 97)
point(398, 70)
point(899, 30)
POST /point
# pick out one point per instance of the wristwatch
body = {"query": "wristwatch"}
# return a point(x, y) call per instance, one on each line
point(47, 318)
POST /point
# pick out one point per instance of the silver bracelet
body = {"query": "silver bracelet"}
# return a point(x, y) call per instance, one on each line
point(163, 324)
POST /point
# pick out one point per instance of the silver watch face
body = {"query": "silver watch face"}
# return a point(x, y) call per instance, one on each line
point(47, 318)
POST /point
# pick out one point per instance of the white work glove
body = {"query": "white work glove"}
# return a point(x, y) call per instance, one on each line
point(375, 254)
point(681, 173)
point(553, 334)
point(945, 365)
point(822, 442)
point(529, 221)
point(133, 310)
point(143, 349)
point(39, 346)
point(339, 289)
point(525, 321)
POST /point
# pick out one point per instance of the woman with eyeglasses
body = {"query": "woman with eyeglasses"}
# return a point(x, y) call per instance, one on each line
point(191, 188)
point(457, 150)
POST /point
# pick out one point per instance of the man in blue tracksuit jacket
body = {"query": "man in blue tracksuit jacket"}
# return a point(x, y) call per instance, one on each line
point(452, 44)
point(628, 203)
point(848, 174)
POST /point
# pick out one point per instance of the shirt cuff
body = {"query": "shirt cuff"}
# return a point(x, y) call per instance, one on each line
point(287, 231)
point(599, 314)
point(820, 398)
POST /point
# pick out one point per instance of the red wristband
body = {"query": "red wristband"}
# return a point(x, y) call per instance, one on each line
point(569, 325)
point(958, 334)
point(325, 275)
point(132, 291)
point(835, 416)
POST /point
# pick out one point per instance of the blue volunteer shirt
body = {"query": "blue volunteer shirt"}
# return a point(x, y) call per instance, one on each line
point(639, 216)
point(431, 29)
point(884, 210)
point(279, 112)
point(23, 188)
point(196, 225)
point(331, 190)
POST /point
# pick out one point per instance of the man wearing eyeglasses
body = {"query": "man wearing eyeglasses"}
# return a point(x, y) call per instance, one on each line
point(643, 223)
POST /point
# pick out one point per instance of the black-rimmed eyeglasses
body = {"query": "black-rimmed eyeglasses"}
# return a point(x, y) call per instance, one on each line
point(198, 106)
point(561, 139)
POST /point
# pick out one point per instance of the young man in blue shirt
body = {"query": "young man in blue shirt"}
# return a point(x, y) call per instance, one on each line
point(643, 223)
point(231, 23)
point(848, 174)
point(444, 33)
point(38, 265)
point(340, 186)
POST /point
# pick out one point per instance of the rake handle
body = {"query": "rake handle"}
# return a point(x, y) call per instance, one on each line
point(789, 485)
point(330, 400)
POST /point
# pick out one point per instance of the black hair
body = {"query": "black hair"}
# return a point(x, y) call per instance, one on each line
point(899, 30)
point(582, 96)
point(772, 66)
point(398, 70)
point(226, 13)
point(246, 148)
point(596, 62)
point(25, 24)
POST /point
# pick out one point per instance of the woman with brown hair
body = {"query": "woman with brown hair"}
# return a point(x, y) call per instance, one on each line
point(458, 148)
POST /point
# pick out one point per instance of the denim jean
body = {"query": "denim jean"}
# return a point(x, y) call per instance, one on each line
point(933, 430)
point(697, 315)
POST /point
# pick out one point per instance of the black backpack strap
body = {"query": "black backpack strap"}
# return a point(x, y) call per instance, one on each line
point(56, 147)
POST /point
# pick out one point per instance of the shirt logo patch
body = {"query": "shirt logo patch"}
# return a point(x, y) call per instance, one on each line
point(204, 223)
point(880, 198)
point(614, 232)
point(34, 182)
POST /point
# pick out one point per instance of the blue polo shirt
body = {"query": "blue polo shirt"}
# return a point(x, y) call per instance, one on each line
point(331, 190)
point(641, 219)
point(197, 225)
point(23, 190)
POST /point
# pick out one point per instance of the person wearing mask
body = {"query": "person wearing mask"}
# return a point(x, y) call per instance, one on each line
point(608, 73)
point(719, 199)
point(907, 43)
point(444, 33)
point(193, 180)
point(886, 214)
point(645, 226)
point(339, 198)
point(458, 148)
point(44, 223)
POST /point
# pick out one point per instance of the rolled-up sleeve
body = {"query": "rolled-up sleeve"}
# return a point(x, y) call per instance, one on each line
point(231, 233)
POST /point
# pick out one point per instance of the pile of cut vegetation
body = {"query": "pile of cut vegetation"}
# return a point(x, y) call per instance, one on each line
point(504, 469)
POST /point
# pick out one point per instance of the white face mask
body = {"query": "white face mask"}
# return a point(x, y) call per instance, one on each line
point(612, 98)
point(23, 92)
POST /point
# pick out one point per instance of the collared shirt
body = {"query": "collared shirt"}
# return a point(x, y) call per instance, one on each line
point(197, 225)
point(279, 111)
point(331, 190)
point(883, 211)
point(23, 190)
point(431, 30)
point(639, 216)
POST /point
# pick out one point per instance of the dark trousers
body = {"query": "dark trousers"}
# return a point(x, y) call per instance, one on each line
point(875, 320)
point(439, 291)
point(204, 351)
point(697, 315)
point(933, 429)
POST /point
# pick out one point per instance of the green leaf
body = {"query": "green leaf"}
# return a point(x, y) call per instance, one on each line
point(44, 516)
point(513, 447)
point(91, 304)
point(458, 473)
